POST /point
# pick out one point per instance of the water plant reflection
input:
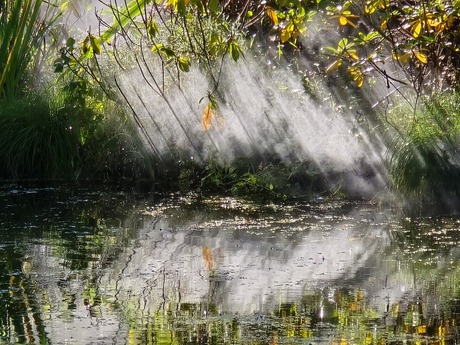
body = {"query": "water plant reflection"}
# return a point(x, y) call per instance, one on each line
point(218, 271)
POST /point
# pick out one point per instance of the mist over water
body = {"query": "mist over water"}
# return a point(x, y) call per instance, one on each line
point(264, 113)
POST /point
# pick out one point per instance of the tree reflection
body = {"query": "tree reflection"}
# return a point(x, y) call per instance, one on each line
point(161, 279)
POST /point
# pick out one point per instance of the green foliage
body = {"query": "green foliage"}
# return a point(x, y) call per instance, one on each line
point(422, 39)
point(35, 141)
point(425, 166)
point(268, 181)
point(23, 25)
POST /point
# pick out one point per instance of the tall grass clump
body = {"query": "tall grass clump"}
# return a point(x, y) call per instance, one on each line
point(35, 141)
point(425, 166)
point(23, 26)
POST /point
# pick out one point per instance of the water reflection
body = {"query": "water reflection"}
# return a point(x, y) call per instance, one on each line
point(83, 266)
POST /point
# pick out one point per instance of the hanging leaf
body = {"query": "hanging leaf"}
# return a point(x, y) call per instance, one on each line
point(207, 256)
point(234, 50)
point(402, 58)
point(421, 57)
point(207, 116)
point(184, 63)
point(95, 44)
point(357, 75)
point(214, 6)
point(272, 15)
point(333, 66)
point(417, 28)
point(152, 28)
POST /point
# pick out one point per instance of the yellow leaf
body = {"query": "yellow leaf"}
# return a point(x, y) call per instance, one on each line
point(333, 66)
point(272, 14)
point(384, 25)
point(357, 75)
point(207, 117)
point(402, 58)
point(353, 55)
point(285, 35)
point(207, 256)
point(343, 20)
point(416, 29)
point(421, 57)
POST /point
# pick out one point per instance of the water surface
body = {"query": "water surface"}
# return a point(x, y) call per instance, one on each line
point(107, 265)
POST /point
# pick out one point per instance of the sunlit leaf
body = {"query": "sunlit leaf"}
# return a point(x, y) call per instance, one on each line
point(207, 256)
point(152, 28)
point(403, 58)
point(357, 75)
point(285, 35)
point(184, 63)
point(207, 117)
point(64, 6)
point(95, 44)
point(334, 66)
point(272, 15)
point(416, 29)
point(421, 57)
point(157, 47)
point(343, 20)
point(352, 54)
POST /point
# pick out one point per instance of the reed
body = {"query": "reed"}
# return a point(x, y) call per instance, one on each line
point(23, 26)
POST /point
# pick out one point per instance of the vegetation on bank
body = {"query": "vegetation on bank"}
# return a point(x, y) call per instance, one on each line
point(79, 126)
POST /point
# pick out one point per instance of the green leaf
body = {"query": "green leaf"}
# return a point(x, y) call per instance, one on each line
point(152, 28)
point(184, 63)
point(181, 7)
point(157, 47)
point(70, 43)
point(168, 52)
point(95, 44)
point(214, 6)
point(234, 50)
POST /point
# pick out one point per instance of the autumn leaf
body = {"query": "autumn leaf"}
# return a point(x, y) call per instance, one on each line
point(207, 256)
point(421, 57)
point(272, 14)
point(357, 75)
point(208, 114)
point(333, 66)
point(417, 28)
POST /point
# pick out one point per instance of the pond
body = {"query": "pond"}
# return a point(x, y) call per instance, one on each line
point(109, 265)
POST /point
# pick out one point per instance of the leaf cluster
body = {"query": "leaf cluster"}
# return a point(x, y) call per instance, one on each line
point(420, 38)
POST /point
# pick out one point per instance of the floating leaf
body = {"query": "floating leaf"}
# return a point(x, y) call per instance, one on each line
point(207, 117)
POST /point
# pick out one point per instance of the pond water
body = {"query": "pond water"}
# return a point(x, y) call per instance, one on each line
point(106, 265)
